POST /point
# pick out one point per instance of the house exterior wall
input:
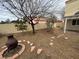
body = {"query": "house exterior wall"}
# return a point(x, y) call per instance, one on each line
point(72, 8)
point(72, 27)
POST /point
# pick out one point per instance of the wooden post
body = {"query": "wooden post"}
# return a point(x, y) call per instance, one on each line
point(65, 25)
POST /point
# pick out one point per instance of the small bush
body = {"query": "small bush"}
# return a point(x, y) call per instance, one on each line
point(21, 25)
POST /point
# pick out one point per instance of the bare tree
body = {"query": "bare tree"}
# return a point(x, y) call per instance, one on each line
point(29, 9)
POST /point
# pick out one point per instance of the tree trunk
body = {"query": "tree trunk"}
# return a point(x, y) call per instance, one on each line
point(33, 28)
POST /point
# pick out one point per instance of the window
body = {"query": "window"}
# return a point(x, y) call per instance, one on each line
point(75, 22)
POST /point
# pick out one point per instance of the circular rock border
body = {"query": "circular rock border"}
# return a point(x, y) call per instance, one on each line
point(14, 56)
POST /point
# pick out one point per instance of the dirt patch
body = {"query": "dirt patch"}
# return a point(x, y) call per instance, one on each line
point(61, 49)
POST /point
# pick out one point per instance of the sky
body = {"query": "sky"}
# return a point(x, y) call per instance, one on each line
point(5, 14)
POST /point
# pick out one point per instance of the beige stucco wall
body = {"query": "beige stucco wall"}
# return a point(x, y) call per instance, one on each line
point(10, 28)
point(72, 27)
point(59, 25)
point(71, 8)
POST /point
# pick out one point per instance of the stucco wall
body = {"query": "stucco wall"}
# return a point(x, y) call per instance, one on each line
point(59, 25)
point(10, 28)
point(72, 8)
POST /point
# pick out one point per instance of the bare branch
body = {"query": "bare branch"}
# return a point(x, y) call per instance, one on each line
point(13, 6)
point(25, 8)
point(9, 10)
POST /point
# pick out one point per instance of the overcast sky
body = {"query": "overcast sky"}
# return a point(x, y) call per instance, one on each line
point(5, 14)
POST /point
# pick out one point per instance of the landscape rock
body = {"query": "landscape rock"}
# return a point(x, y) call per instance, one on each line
point(39, 51)
point(66, 37)
point(50, 43)
point(24, 40)
point(53, 37)
point(33, 48)
point(19, 41)
point(31, 44)
point(3, 47)
point(28, 42)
